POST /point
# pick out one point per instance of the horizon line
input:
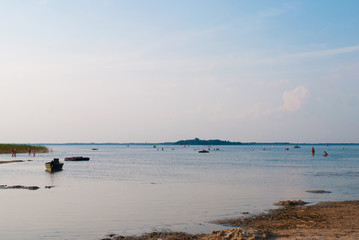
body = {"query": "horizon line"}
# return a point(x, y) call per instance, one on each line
point(169, 143)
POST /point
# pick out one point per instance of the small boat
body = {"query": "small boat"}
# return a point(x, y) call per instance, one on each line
point(54, 165)
point(296, 146)
point(77, 158)
point(203, 151)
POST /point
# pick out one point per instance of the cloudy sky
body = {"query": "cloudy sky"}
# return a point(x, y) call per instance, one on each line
point(158, 70)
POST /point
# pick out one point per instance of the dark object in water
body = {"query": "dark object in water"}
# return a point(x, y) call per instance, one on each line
point(54, 165)
point(290, 203)
point(19, 187)
point(203, 151)
point(318, 191)
point(78, 158)
point(94, 149)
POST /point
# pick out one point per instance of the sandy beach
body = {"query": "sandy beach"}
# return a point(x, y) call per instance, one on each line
point(325, 220)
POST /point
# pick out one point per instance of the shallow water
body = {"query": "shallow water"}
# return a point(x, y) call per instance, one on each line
point(137, 189)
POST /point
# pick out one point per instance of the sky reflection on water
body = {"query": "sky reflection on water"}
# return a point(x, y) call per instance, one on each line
point(136, 189)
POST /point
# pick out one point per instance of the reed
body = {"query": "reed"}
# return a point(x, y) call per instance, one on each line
point(22, 148)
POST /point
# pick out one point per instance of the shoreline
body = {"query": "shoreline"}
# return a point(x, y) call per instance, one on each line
point(324, 220)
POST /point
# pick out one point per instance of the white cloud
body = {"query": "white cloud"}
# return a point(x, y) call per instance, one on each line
point(294, 99)
point(289, 58)
point(328, 52)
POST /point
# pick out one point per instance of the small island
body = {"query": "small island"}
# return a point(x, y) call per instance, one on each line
point(198, 141)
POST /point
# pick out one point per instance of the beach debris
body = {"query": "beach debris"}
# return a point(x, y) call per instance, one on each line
point(19, 187)
point(158, 235)
point(238, 233)
point(318, 191)
point(110, 236)
point(234, 233)
point(290, 203)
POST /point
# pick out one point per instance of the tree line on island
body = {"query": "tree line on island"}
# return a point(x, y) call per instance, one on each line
point(198, 141)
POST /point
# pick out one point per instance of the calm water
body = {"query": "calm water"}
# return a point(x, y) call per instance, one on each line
point(137, 189)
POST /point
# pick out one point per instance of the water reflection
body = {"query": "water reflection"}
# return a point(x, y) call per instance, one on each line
point(52, 176)
point(132, 190)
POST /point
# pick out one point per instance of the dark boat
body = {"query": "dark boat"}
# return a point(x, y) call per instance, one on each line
point(77, 158)
point(203, 151)
point(54, 165)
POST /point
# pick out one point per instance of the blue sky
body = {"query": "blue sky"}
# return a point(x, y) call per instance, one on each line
point(152, 71)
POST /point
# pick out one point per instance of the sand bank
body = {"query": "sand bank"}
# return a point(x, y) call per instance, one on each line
point(11, 161)
point(325, 220)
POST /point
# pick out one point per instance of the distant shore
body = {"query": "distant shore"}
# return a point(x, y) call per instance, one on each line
point(325, 220)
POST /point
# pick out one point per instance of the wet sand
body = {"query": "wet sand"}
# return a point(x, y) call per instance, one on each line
point(11, 161)
point(325, 220)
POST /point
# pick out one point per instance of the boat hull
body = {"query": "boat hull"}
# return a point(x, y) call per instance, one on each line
point(203, 151)
point(51, 167)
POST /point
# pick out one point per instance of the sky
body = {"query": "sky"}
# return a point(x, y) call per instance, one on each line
point(163, 70)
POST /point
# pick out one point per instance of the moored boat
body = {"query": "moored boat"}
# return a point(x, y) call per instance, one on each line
point(77, 158)
point(54, 165)
point(203, 151)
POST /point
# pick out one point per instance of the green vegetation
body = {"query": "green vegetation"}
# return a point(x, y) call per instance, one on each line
point(198, 141)
point(22, 148)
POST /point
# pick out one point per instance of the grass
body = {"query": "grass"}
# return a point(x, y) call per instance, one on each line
point(22, 148)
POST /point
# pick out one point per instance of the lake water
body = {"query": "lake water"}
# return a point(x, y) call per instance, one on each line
point(136, 189)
